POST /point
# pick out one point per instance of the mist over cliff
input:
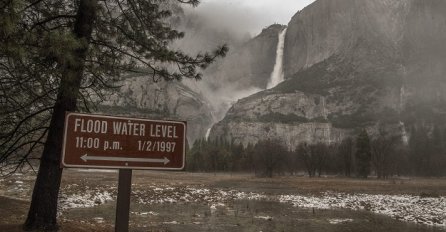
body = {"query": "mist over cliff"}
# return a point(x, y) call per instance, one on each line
point(245, 71)
point(350, 65)
point(347, 65)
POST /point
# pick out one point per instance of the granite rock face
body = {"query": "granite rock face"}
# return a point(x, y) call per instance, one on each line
point(327, 28)
point(349, 65)
point(291, 134)
point(249, 65)
point(141, 97)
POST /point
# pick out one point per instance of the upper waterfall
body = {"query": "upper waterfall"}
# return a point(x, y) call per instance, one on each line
point(277, 75)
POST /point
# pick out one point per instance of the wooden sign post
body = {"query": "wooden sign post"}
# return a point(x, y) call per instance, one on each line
point(99, 141)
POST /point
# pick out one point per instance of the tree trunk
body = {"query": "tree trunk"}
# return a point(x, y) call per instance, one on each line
point(43, 210)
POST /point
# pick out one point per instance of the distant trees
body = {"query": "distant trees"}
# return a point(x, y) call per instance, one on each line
point(269, 157)
point(383, 149)
point(265, 158)
point(382, 155)
point(215, 156)
point(426, 151)
point(314, 156)
point(363, 154)
point(345, 153)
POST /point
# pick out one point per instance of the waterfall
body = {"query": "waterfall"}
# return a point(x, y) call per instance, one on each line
point(404, 136)
point(324, 108)
point(208, 132)
point(277, 75)
point(402, 95)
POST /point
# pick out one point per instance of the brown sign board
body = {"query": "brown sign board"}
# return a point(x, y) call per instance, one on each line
point(99, 141)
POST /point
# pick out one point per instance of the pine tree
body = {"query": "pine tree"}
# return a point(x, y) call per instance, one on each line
point(363, 154)
point(57, 54)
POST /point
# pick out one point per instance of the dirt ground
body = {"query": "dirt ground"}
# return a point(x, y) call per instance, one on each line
point(148, 213)
point(13, 212)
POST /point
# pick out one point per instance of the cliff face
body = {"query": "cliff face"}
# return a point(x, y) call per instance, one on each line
point(328, 28)
point(291, 117)
point(141, 97)
point(348, 65)
point(249, 65)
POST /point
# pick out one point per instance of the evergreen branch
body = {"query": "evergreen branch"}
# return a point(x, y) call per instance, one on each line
point(10, 135)
point(47, 20)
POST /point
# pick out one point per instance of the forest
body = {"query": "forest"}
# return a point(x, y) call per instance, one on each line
point(382, 156)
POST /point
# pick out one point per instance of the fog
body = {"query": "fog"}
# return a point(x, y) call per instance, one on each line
point(231, 22)
point(247, 16)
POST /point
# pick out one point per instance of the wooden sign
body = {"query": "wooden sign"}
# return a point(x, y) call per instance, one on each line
point(98, 141)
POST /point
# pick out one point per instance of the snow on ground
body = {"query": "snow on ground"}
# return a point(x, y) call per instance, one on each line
point(99, 219)
point(160, 195)
point(70, 197)
point(267, 218)
point(171, 223)
point(427, 211)
point(335, 221)
point(145, 213)
point(409, 208)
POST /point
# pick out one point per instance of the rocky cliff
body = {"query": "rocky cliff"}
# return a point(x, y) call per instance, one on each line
point(351, 64)
point(248, 65)
point(141, 97)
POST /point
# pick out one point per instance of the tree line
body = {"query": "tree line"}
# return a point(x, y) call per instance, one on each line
point(382, 155)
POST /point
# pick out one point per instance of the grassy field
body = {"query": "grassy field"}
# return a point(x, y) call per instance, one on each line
point(177, 201)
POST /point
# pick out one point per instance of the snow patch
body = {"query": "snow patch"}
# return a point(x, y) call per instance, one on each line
point(427, 211)
point(86, 199)
point(99, 219)
point(267, 218)
point(146, 213)
point(171, 223)
point(335, 221)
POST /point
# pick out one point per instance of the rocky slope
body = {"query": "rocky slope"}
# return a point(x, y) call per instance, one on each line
point(141, 97)
point(351, 64)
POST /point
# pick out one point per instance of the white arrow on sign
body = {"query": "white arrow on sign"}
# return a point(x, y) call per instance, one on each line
point(87, 157)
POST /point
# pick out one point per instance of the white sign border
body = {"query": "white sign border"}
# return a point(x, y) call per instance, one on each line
point(64, 165)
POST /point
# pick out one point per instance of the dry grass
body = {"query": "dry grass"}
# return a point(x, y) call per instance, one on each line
point(302, 185)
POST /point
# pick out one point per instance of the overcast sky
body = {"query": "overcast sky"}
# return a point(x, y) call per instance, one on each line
point(249, 15)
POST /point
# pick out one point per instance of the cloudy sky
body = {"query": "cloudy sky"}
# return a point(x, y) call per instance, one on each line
point(249, 15)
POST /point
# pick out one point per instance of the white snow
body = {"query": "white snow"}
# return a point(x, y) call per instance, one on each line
point(85, 199)
point(99, 219)
point(339, 220)
point(146, 213)
point(171, 223)
point(408, 208)
point(427, 211)
point(267, 218)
